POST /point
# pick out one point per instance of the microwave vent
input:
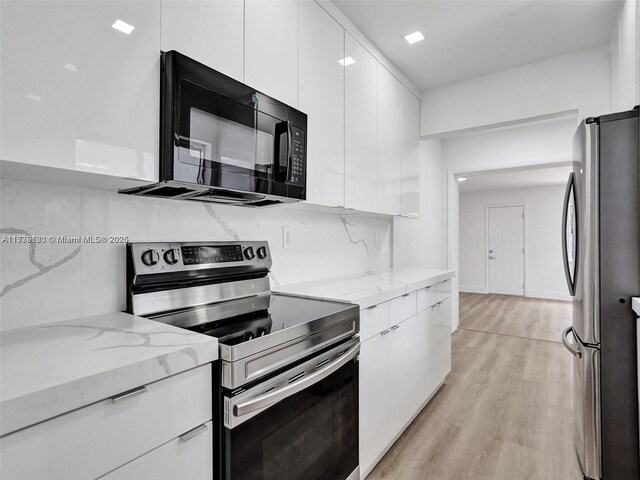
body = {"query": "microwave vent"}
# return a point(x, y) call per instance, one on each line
point(167, 191)
point(264, 203)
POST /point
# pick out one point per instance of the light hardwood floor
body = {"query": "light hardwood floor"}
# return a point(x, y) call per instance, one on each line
point(504, 412)
point(512, 315)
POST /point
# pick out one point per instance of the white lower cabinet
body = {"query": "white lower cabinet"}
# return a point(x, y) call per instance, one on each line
point(99, 438)
point(404, 370)
point(188, 456)
point(401, 367)
point(375, 431)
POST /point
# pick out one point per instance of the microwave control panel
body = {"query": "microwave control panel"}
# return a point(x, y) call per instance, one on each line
point(297, 170)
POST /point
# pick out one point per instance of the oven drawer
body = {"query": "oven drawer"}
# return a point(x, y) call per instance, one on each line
point(402, 308)
point(188, 456)
point(374, 320)
point(94, 440)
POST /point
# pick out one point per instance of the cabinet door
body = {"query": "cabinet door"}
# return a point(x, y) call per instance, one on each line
point(375, 431)
point(404, 354)
point(209, 31)
point(78, 94)
point(410, 152)
point(441, 359)
point(374, 320)
point(321, 97)
point(389, 129)
point(360, 127)
point(271, 48)
point(189, 456)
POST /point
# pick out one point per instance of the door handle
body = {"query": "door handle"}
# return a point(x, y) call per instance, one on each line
point(272, 397)
point(491, 257)
point(128, 394)
point(574, 349)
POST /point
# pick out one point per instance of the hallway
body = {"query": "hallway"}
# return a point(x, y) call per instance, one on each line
point(505, 410)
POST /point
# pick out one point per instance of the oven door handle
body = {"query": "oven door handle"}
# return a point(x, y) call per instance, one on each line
point(263, 401)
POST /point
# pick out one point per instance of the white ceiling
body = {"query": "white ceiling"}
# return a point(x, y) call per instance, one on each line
point(539, 177)
point(469, 38)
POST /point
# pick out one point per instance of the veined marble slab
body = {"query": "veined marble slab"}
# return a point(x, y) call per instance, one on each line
point(635, 304)
point(369, 288)
point(52, 369)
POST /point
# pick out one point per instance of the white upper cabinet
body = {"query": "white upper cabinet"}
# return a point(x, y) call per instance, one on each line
point(410, 154)
point(389, 140)
point(360, 127)
point(271, 48)
point(78, 93)
point(321, 97)
point(209, 31)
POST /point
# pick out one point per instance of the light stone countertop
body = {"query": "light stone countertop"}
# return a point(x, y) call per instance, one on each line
point(55, 368)
point(369, 288)
point(635, 304)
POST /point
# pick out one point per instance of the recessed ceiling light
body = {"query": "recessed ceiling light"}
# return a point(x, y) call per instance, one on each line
point(124, 27)
point(345, 62)
point(414, 37)
point(35, 98)
point(462, 179)
point(71, 67)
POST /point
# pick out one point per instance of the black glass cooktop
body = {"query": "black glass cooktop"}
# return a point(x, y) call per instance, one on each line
point(240, 321)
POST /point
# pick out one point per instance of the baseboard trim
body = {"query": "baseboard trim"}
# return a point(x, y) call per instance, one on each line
point(548, 295)
point(471, 289)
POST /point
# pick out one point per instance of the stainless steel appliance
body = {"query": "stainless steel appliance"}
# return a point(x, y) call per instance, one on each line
point(601, 247)
point(223, 141)
point(287, 383)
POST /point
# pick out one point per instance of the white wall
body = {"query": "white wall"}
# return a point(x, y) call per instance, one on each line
point(575, 81)
point(544, 274)
point(53, 281)
point(537, 143)
point(625, 58)
point(421, 242)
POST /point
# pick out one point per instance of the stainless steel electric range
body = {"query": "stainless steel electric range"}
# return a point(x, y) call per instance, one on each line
point(286, 392)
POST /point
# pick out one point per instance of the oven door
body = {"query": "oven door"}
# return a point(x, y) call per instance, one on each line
point(299, 425)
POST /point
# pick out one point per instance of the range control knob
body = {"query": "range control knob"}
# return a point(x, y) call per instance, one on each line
point(262, 252)
point(150, 258)
point(171, 256)
point(249, 254)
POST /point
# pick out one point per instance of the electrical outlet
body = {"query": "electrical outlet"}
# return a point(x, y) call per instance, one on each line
point(287, 237)
point(377, 238)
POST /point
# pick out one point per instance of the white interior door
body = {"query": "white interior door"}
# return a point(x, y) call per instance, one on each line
point(506, 250)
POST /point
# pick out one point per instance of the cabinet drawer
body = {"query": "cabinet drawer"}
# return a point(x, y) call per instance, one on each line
point(426, 297)
point(182, 457)
point(402, 308)
point(97, 439)
point(443, 290)
point(373, 320)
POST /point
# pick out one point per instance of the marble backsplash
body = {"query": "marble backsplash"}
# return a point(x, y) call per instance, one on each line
point(45, 282)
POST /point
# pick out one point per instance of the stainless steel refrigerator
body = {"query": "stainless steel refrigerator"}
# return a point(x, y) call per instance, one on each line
point(601, 247)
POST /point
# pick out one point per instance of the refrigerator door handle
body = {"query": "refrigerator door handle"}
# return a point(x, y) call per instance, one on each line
point(573, 348)
point(568, 196)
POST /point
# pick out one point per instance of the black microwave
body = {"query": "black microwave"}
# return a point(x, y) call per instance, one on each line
point(223, 141)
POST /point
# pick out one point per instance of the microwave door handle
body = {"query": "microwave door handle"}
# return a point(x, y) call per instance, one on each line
point(280, 157)
point(268, 399)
